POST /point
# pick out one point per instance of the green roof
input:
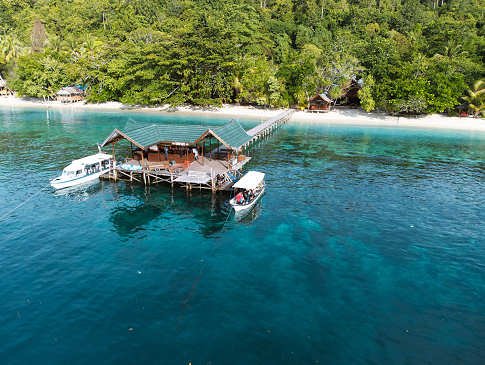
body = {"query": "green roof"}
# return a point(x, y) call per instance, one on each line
point(157, 133)
point(232, 134)
point(145, 135)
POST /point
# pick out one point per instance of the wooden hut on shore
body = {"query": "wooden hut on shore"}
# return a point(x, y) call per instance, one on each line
point(70, 94)
point(320, 103)
point(3, 88)
point(350, 93)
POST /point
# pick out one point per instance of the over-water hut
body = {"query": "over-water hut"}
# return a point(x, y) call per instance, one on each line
point(320, 103)
point(187, 154)
point(70, 94)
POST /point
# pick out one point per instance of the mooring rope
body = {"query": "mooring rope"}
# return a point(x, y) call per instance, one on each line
point(23, 203)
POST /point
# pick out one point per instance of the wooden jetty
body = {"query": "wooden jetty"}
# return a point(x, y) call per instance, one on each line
point(191, 156)
point(269, 125)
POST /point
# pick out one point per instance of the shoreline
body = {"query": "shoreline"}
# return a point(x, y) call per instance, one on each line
point(339, 116)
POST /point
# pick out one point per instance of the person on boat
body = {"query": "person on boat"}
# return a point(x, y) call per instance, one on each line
point(196, 153)
point(245, 195)
point(240, 198)
point(251, 194)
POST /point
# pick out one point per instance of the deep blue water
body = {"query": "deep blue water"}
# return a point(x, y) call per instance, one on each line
point(368, 248)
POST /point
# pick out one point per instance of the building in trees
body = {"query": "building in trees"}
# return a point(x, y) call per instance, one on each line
point(320, 103)
point(70, 94)
point(350, 95)
point(3, 88)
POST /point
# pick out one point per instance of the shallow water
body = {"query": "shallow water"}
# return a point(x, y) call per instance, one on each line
point(367, 248)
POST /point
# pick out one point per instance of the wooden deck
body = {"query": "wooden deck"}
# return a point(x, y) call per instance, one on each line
point(204, 173)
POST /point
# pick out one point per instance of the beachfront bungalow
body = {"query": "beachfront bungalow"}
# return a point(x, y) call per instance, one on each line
point(3, 88)
point(320, 103)
point(207, 157)
point(70, 94)
point(350, 93)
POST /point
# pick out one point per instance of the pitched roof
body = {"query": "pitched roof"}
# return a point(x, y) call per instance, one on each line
point(70, 90)
point(324, 97)
point(232, 134)
point(145, 135)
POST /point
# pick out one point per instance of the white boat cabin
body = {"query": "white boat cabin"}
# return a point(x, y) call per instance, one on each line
point(82, 171)
point(87, 165)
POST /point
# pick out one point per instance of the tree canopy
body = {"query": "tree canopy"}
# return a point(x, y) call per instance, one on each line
point(414, 56)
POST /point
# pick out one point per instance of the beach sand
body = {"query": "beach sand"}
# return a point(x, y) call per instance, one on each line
point(337, 116)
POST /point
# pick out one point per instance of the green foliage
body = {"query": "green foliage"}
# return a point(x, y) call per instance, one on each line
point(418, 56)
point(476, 98)
point(365, 94)
point(40, 75)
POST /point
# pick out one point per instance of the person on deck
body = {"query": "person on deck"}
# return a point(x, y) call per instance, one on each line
point(166, 153)
point(196, 153)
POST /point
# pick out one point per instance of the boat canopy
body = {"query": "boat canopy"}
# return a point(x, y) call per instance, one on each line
point(250, 181)
point(88, 160)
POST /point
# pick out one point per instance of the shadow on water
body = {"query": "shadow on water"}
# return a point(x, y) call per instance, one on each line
point(252, 215)
point(141, 207)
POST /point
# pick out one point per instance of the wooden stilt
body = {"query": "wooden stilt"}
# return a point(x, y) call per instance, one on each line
point(114, 163)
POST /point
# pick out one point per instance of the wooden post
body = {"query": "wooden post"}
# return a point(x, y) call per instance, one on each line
point(202, 153)
point(114, 162)
point(213, 185)
point(143, 166)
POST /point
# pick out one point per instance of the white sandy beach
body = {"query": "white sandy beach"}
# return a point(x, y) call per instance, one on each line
point(337, 116)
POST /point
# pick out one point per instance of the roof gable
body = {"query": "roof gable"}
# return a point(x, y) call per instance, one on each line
point(323, 97)
point(70, 90)
point(232, 134)
point(145, 135)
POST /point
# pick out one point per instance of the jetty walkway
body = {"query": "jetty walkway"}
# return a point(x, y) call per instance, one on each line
point(269, 125)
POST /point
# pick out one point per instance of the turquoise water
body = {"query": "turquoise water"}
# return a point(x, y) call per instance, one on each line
point(368, 248)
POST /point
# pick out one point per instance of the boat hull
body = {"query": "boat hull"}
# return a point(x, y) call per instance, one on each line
point(244, 209)
point(59, 183)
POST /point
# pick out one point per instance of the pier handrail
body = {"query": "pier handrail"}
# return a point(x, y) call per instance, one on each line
point(253, 132)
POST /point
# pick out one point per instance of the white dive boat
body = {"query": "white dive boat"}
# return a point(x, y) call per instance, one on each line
point(82, 171)
point(250, 187)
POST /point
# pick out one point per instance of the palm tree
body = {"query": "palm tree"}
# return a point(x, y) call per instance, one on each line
point(476, 98)
point(10, 47)
point(55, 43)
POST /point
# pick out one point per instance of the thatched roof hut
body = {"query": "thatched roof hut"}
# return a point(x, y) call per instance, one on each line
point(70, 94)
point(320, 102)
point(3, 88)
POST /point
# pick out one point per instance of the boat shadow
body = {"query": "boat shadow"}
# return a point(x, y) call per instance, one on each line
point(79, 192)
point(249, 217)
